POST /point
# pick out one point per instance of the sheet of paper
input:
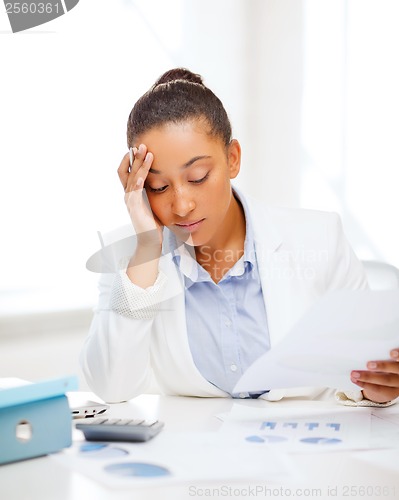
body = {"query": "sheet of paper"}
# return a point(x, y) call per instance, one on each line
point(340, 333)
point(175, 458)
point(384, 433)
point(388, 414)
point(385, 459)
point(299, 428)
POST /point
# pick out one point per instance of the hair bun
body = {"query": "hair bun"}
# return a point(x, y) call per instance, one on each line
point(179, 74)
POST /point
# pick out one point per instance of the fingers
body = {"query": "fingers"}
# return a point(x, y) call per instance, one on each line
point(132, 154)
point(139, 169)
point(380, 382)
point(123, 170)
point(378, 387)
point(138, 158)
point(384, 372)
point(387, 379)
point(387, 366)
point(395, 354)
point(133, 177)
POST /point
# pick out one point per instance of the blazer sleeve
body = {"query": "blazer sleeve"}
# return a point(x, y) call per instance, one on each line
point(116, 358)
point(344, 270)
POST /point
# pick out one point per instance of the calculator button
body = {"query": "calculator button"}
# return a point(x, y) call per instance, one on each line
point(118, 429)
point(92, 421)
point(136, 422)
point(123, 421)
point(150, 423)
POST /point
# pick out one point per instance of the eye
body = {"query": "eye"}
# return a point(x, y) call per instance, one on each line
point(157, 190)
point(198, 181)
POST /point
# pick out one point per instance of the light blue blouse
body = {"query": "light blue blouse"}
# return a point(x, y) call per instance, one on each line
point(226, 322)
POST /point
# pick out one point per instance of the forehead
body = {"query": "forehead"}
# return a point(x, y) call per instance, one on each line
point(173, 144)
point(183, 133)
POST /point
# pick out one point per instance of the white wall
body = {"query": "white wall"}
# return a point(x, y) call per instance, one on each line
point(350, 160)
point(310, 86)
point(65, 98)
point(273, 99)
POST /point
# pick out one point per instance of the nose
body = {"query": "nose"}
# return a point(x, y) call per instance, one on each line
point(182, 203)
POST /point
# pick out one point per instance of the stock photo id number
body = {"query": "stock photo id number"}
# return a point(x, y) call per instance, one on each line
point(28, 14)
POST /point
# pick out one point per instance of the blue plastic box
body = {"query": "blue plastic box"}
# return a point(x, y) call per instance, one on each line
point(35, 419)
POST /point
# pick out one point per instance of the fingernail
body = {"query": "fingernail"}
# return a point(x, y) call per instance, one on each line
point(355, 374)
point(371, 365)
point(395, 354)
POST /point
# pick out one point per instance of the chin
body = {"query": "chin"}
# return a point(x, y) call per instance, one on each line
point(192, 240)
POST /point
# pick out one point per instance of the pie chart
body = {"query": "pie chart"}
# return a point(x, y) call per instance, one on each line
point(137, 469)
point(320, 440)
point(266, 439)
point(101, 451)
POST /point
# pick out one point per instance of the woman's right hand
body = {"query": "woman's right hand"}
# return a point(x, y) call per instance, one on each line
point(148, 228)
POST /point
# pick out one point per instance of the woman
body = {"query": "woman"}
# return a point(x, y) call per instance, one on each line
point(215, 278)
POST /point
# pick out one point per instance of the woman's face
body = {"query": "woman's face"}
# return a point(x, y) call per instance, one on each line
point(188, 185)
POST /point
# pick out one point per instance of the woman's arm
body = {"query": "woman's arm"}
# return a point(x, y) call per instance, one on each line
point(115, 358)
point(116, 355)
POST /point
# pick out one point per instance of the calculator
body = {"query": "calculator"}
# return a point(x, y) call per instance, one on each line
point(119, 429)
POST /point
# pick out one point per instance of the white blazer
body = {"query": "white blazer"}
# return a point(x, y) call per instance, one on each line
point(301, 255)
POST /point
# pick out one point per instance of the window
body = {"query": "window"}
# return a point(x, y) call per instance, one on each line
point(66, 91)
point(349, 119)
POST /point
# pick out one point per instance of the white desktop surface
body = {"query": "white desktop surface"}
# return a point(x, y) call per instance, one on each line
point(332, 474)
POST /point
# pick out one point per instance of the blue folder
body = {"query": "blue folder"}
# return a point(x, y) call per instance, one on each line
point(35, 419)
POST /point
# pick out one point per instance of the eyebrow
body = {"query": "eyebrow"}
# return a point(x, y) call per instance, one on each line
point(185, 165)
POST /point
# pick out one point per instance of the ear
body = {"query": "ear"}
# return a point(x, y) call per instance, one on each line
point(234, 158)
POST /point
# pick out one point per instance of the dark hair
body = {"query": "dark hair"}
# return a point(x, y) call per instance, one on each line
point(177, 96)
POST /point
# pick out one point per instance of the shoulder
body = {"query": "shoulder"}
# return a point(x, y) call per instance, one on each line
point(291, 221)
point(293, 227)
point(259, 208)
point(308, 237)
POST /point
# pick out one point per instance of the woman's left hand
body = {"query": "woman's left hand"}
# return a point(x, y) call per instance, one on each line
point(380, 382)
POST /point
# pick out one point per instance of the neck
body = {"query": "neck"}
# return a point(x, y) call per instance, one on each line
point(227, 247)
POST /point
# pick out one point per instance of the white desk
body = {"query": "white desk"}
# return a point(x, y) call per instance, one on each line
point(46, 479)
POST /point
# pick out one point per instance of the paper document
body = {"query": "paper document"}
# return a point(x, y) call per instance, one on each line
point(299, 428)
point(340, 333)
point(176, 458)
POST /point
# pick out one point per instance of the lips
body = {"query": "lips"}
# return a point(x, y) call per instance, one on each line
point(190, 226)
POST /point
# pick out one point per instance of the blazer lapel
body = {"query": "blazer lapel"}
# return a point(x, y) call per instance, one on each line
point(174, 338)
point(274, 289)
point(286, 290)
point(276, 271)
